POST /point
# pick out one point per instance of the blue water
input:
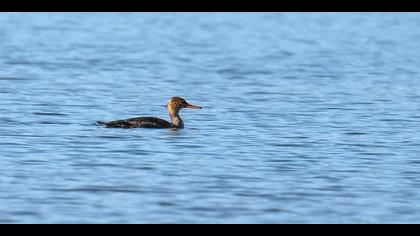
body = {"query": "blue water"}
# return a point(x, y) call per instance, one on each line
point(308, 118)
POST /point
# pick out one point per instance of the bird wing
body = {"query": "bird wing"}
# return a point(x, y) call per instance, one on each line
point(138, 122)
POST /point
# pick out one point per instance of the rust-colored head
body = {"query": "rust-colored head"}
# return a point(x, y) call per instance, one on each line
point(177, 103)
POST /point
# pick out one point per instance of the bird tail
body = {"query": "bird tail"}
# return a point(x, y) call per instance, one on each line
point(100, 122)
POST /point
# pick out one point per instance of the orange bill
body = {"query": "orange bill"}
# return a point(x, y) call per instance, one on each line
point(193, 106)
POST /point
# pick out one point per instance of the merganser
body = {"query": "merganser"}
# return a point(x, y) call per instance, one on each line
point(174, 105)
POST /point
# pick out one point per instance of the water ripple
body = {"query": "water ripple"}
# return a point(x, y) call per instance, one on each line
point(48, 114)
point(300, 124)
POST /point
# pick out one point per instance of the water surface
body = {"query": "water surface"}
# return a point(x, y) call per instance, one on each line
point(308, 118)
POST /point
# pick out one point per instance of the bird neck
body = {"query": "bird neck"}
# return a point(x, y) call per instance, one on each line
point(175, 119)
point(177, 122)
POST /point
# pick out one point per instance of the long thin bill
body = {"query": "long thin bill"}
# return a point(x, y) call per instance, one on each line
point(193, 106)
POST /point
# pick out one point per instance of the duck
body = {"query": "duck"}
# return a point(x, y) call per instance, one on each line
point(173, 107)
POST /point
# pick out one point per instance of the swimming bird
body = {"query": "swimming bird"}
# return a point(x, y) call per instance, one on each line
point(174, 105)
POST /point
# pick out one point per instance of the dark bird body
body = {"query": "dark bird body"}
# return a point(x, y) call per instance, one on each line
point(174, 105)
point(138, 122)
